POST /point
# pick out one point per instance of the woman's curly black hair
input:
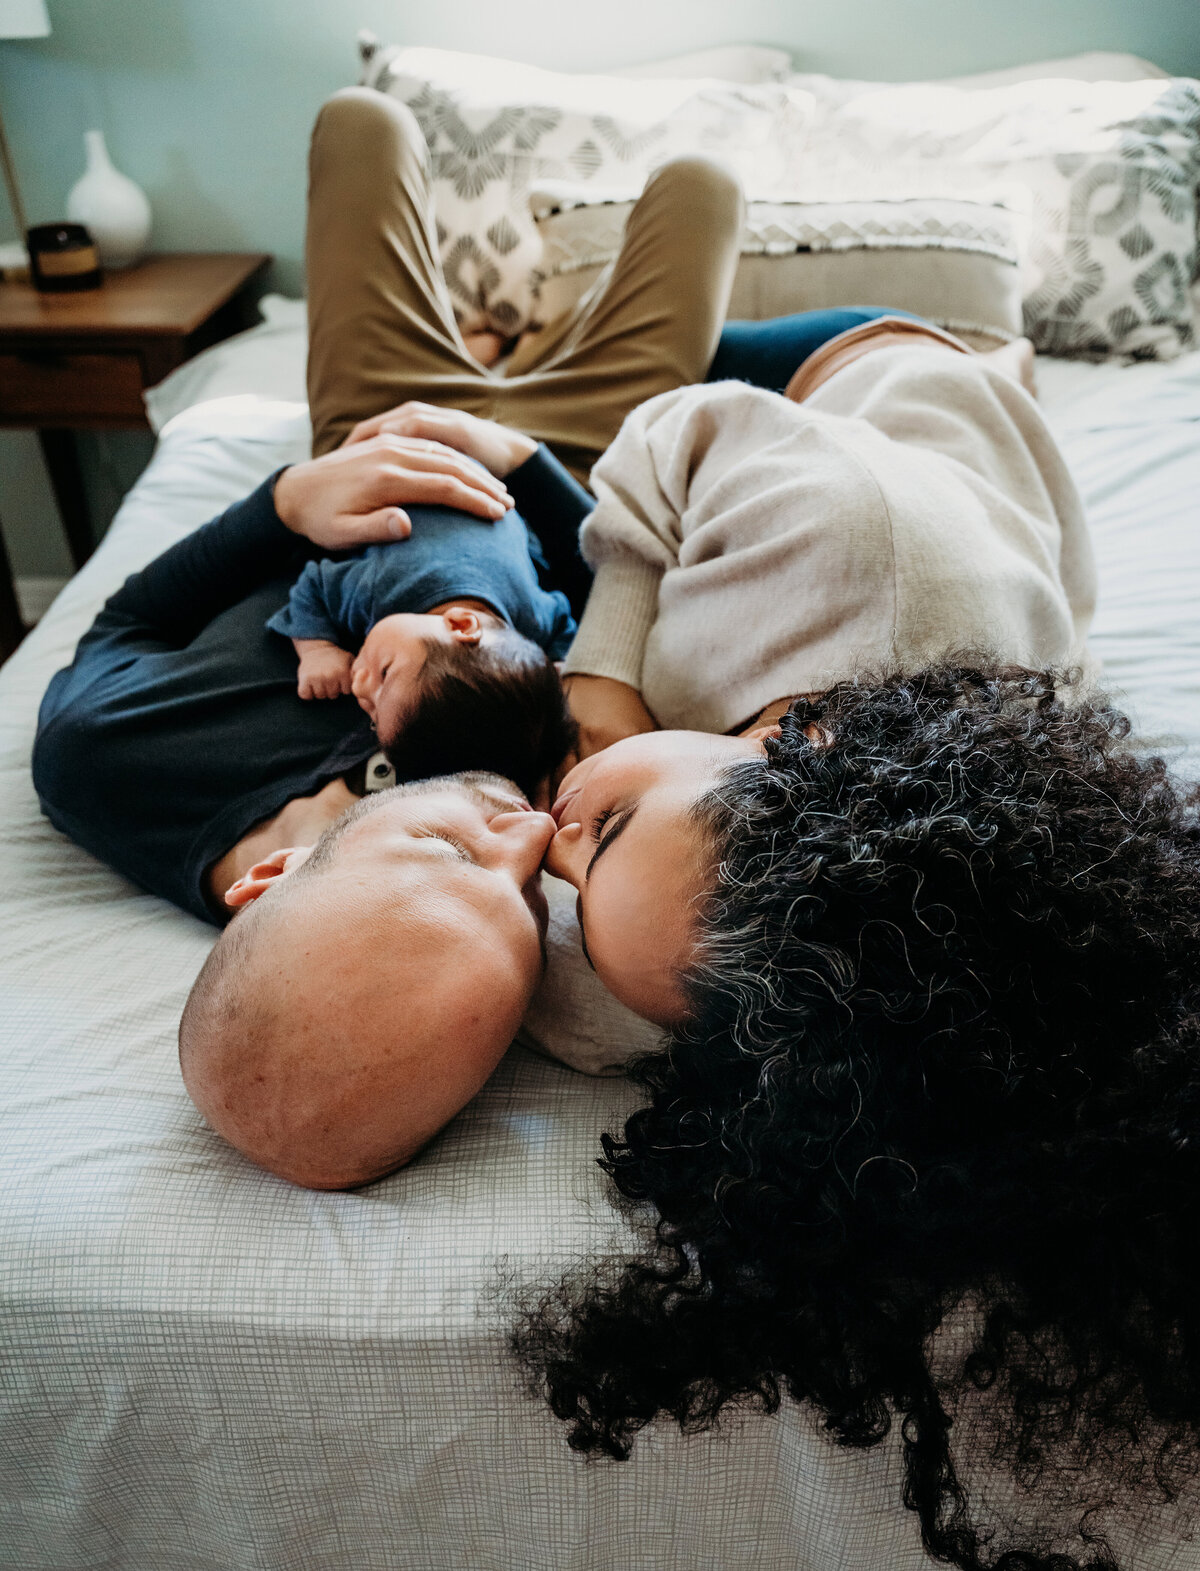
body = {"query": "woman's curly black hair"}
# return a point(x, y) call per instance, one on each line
point(928, 1148)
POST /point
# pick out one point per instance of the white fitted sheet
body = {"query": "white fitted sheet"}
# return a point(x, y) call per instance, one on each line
point(207, 1369)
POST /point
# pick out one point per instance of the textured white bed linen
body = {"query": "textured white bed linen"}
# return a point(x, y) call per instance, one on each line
point(205, 1368)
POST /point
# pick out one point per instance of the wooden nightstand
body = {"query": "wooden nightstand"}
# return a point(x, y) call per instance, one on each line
point(81, 362)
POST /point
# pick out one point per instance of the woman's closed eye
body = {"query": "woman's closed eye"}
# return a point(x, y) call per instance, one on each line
point(620, 821)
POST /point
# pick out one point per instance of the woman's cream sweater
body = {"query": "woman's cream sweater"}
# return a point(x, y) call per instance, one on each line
point(747, 548)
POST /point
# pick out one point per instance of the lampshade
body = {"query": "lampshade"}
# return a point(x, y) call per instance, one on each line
point(23, 19)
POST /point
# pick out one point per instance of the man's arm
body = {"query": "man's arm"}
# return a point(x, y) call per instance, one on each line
point(554, 505)
point(203, 574)
point(345, 499)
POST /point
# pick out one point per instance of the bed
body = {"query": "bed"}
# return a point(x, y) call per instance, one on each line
point(205, 1368)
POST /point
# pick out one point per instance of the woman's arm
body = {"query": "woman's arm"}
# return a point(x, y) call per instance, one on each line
point(633, 537)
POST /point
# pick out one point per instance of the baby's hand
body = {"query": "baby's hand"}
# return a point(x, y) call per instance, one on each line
point(324, 668)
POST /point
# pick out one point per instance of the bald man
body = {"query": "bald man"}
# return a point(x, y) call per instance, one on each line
point(394, 944)
point(371, 981)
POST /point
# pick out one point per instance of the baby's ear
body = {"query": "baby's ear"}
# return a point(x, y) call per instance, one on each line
point(465, 625)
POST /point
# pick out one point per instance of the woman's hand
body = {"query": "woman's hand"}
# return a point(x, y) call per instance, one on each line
point(606, 711)
point(498, 449)
point(356, 495)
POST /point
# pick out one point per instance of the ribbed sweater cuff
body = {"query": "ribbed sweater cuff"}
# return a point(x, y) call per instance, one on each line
point(621, 610)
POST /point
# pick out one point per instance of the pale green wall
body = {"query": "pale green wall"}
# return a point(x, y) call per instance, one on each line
point(207, 103)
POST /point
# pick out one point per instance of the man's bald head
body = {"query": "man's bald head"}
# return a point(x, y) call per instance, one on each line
point(367, 993)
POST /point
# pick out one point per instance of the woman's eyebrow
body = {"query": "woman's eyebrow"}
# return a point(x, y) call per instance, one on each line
point(620, 825)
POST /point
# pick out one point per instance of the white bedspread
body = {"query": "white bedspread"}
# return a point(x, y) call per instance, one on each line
point(205, 1369)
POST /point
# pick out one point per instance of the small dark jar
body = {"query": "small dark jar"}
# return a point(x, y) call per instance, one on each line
point(62, 257)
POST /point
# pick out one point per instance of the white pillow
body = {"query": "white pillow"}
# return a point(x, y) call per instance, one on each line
point(1097, 66)
point(748, 64)
point(573, 1017)
point(495, 128)
point(268, 360)
point(1106, 171)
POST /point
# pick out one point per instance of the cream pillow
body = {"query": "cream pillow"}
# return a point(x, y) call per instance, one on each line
point(951, 261)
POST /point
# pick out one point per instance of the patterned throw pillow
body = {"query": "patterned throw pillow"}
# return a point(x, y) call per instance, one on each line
point(1109, 170)
point(951, 261)
point(1104, 172)
point(495, 128)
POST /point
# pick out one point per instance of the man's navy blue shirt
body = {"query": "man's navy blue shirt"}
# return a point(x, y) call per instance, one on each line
point(448, 556)
point(178, 727)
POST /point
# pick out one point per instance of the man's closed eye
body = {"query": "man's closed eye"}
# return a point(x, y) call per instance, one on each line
point(452, 845)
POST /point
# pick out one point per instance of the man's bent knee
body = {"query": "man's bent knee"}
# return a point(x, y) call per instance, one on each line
point(365, 116)
point(697, 179)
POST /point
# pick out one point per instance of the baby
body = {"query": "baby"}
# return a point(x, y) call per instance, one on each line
point(456, 642)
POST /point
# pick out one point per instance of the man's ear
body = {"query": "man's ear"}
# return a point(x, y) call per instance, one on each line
point(464, 624)
point(263, 874)
point(761, 733)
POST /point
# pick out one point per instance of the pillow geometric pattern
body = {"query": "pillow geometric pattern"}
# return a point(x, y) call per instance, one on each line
point(1107, 174)
point(1102, 176)
point(496, 129)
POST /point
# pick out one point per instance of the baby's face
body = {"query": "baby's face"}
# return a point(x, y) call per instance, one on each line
point(384, 676)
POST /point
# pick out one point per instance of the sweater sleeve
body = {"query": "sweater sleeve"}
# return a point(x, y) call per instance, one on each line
point(634, 534)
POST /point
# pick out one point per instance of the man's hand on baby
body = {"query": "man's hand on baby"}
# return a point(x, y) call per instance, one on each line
point(497, 448)
point(324, 669)
point(605, 711)
point(356, 495)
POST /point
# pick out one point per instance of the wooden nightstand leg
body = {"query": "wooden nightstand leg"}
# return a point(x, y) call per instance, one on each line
point(62, 463)
point(12, 628)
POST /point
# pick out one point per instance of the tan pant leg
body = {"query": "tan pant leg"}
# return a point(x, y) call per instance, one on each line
point(381, 325)
point(650, 325)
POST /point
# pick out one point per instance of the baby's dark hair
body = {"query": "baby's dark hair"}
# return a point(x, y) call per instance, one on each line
point(926, 1156)
point(497, 705)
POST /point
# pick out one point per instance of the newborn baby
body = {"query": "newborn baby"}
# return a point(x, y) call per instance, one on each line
point(446, 639)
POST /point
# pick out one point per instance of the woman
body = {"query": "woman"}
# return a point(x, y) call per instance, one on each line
point(925, 1148)
point(906, 501)
point(921, 1144)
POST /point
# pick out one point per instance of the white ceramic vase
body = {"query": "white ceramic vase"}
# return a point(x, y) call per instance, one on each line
point(111, 205)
